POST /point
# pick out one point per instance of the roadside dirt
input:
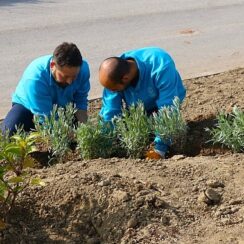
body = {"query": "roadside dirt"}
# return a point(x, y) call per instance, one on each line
point(196, 196)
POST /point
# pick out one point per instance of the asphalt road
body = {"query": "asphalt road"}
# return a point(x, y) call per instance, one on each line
point(202, 36)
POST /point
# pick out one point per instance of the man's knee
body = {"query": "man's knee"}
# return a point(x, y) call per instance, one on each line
point(17, 116)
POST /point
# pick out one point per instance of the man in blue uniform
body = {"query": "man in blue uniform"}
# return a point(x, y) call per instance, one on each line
point(148, 75)
point(59, 79)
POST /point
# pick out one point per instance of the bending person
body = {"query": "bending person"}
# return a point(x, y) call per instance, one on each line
point(148, 75)
point(59, 79)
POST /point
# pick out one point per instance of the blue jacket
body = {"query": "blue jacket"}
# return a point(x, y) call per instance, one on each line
point(159, 82)
point(38, 91)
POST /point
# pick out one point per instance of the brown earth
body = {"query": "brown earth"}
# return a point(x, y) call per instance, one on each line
point(193, 197)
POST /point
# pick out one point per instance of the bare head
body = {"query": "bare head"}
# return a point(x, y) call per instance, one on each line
point(114, 73)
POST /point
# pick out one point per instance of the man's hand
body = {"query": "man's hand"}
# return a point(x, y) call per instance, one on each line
point(153, 153)
point(81, 116)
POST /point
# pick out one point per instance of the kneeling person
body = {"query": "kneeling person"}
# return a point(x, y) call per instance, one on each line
point(59, 79)
point(148, 75)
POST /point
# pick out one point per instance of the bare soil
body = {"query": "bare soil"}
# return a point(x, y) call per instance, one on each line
point(194, 196)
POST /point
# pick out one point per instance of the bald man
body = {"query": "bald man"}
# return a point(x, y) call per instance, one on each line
point(148, 75)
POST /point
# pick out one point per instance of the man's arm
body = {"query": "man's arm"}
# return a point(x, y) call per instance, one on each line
point(169, 84)
point(81, 116)
point(112, 104)
point(81, 94)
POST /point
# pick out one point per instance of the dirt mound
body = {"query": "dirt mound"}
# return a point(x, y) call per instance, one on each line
point(132, 201)
point(188, 198)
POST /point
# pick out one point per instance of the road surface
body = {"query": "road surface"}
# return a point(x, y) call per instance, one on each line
point(202, 36)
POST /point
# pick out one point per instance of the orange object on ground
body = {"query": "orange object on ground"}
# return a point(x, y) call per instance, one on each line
point(151, 154)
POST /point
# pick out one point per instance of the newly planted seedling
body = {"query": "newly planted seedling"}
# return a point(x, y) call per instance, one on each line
point(14, 160)
point(57, 130)
point(133, 129)
point(95, 139)
point(169, 124)
point(229, 130)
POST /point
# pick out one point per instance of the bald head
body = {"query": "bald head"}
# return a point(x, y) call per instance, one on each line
point(112, 70)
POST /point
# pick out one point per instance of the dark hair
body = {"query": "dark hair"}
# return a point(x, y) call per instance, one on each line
point(120, 67)
point(67, 54)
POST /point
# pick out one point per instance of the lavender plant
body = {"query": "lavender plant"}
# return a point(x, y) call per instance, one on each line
point(229, 130)
point(169, 124)
point(95, 139)
point(57, 130)
point(133, 129)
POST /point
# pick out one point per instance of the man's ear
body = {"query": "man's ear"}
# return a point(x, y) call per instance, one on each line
point(52, 64)
point(125, 78)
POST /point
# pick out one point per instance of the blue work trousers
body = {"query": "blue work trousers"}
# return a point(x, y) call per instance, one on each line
point(16, 117)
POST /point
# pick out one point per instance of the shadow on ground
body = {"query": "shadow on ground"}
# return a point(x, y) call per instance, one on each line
point(198, 138)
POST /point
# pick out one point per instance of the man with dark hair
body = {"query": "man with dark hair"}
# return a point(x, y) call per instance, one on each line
point(148, 75)
point(59, 79)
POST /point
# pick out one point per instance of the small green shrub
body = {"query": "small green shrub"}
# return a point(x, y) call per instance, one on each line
point(95, 139)
point(4, 140)
point(133, 129)
point(229, 130)
point(57, 130)
point(14, 160)
point(169, 124)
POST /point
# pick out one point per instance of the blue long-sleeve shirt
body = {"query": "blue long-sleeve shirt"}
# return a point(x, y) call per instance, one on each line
point(38, 91)
point(159, 82)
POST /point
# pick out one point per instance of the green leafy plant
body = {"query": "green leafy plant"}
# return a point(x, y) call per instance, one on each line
point(169, 124)
point(57, 130)
point(15, 159)
point(4, 139)
point(133, 129)
point(229, 130)
point(95, 139)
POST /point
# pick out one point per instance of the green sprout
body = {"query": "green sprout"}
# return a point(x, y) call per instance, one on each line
point(169, 124)
point(95, 139)
point(229, 130)
point(133, 129)
point(57, 130)
point(15, 160)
